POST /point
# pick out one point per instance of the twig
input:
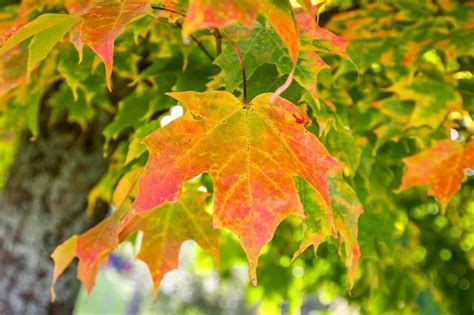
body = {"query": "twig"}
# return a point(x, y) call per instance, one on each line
point(160, 8)
point(218, 37)
point(208, 54)
point(242, 66)
point(200, 45)
point(194, 38)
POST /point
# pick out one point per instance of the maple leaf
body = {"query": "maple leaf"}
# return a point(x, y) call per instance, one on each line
point(102, 22)
point(311, 9)
point(311, 30)
point(441, 168)
point(261, 45)
point(164, 229)
point(18, 58)
point(62, 257)
point(346, 209)
point(205, 13)
point(47, 30)
point(91, 248)
point(315, 39)
point(258, 45)
point(252, 152)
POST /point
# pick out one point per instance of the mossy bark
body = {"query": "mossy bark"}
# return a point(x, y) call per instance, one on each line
point(42, 205)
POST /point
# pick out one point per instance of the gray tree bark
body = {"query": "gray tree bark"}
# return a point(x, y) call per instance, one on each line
point(43, 204)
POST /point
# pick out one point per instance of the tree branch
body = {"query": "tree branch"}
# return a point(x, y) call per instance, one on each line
point(179, 25)
point(160, 8)
point(218, 37)
point(198, 42)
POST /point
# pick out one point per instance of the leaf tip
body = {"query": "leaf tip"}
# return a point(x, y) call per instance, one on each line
point(253, 280)
point(352, 261)
point(62, 257)
point(53, 294)
point(253, 272)
point(108, 79)
point(156, 291)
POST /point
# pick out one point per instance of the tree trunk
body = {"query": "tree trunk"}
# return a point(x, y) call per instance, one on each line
point(43, 204)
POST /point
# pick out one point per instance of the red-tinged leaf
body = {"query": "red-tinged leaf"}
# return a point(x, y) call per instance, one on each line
point(78, 7)
point(46, 31)
point(205, 13)
point(97, 242)
point(88, 274)
point(91, 248)
point(102, 22)
point(13, 62)
point(280, 16)
point(441, 168)
point(165, 229)
point(252, 153)
point(310, 29)
point(346, 209)
point(311, 9)
point(310, 64)
point(27, 7)
point(13, 68)
point(94, 246)
point(7, 29)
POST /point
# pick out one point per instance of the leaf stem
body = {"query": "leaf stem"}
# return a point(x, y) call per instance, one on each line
point(242, 66)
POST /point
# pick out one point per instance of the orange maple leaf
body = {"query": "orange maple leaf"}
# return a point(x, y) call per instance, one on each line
point(205, 13)
point(164, 230)
point(310, 29)
point(252, 151)
point(441, 167)
point(102, 22)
